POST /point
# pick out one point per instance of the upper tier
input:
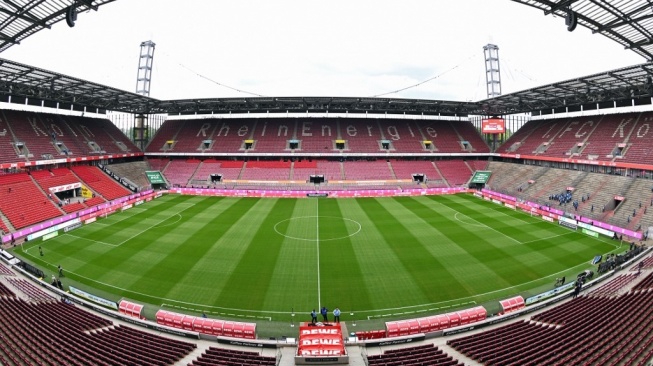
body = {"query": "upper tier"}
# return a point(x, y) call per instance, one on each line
point(316, 135)
point(28, 136)
point(616, 137)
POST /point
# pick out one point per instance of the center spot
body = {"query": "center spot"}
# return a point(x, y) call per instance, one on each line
point(305, 228)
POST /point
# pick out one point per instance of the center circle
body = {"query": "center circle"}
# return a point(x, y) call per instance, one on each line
point(305, 228)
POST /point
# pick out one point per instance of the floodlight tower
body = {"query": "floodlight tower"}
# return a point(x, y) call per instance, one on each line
point(143, 82)
point(492, 71)
point(492, 77)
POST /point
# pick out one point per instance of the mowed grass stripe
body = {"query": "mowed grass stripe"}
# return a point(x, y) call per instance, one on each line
point(182, 255)
point(206, 281)
point(426, 271)
point(557, 250)
point(74, 253)
point(133, 266)
point(384, 275)
point(342, 280)
point(510, 226)
point(551, 240)
point(491, 248)
point(293, 284)
point(463, 253)
point(253, 273)
point(122, 225)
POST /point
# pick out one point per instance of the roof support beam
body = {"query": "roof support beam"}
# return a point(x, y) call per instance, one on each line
point(560, 5)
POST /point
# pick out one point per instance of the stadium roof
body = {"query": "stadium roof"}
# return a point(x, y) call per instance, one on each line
point(620, 86)
point(20, 19)
point(627, 22)
point(31, 85)
point(23, 82)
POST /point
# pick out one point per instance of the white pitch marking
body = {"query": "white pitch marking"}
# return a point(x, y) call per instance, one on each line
point(317, 241)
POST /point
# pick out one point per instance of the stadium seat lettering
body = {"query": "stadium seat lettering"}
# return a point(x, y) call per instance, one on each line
point(568, 129)
point(37, 129)
point(410, 130)
point(578, 132)
point(306, 129)
point(546, 134)
point(203, 129)
point(283, 128)
point(86, 131)
point(641, 133)
point(351, 131)
point(225, 128)
point(624, 122)
point(70, 129)
point(392, 131)
point(431, 132)
point(56, 129)
point(243, 130)
point(369, 130)
point(326, 128)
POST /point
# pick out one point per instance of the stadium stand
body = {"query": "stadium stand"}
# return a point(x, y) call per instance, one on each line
point(302, 170)
point(611, 131)
point(266, 170)
point(316, 135)
point(331, 170)
point(32, 292)
point(456, 172)
point(23, 203)
point(231, 169)
point(35, 337)
point(29, 130)
point(645, 284)
point(4, 270)
point(638, 145)
point(475, 165)
point(134, 171)
point(367, 170)
point(273, 134)
point(531, 136)
point(164, 139)
point(566, 334)
point(230, 357)
point(158, 164)
point(8, 152)
point(101, 135)
point(424, 355)
point(100, 182)
point(179, 172)
point(613, 286)
point(470, 135)
point(406, 169)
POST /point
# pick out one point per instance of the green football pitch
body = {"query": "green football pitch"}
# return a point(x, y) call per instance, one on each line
point(265, 258)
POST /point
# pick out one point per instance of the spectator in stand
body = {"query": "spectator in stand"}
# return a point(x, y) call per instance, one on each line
point(336, 315)
point(325, 314)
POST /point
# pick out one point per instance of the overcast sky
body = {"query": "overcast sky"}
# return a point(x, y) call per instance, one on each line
point(311, 48)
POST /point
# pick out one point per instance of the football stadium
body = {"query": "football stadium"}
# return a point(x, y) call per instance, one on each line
point(508, 229)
